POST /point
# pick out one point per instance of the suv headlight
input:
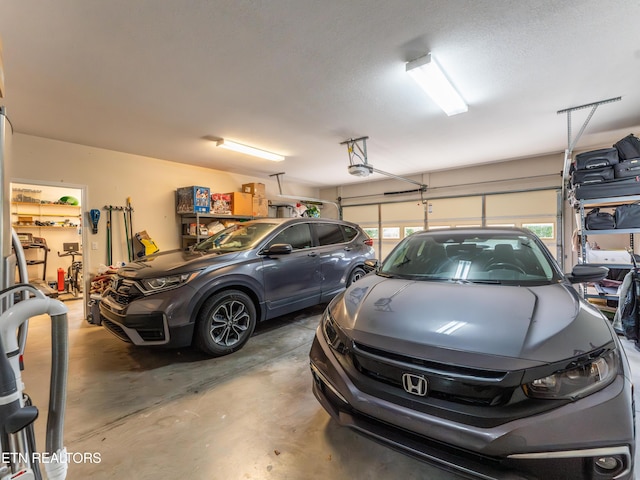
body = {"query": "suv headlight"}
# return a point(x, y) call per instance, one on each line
point(333, 334)
point(577, 381)
point(159, 284)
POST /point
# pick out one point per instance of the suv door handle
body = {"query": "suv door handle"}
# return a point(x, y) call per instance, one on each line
point(312, 254)
point(348, 249)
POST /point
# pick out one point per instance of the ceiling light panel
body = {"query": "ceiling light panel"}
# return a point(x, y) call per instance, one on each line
point(246, 149)
point(428, 74)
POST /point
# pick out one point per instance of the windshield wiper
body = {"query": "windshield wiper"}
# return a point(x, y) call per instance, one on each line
point(466, 281)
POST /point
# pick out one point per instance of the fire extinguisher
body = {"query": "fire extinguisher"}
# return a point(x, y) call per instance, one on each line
point(60, 280)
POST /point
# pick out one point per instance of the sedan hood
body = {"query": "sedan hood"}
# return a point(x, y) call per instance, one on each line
point(173, 262)
point(539, 324)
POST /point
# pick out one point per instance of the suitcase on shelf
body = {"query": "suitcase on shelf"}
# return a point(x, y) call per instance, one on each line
point(628, 215)
point(597, 220)
point(627, 168)
point(596, 159)
point(628, 147)
point(612, 188)
point(593, 175)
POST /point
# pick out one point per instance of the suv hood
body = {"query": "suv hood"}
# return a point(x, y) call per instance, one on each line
point(173, 262)
point(539, 324)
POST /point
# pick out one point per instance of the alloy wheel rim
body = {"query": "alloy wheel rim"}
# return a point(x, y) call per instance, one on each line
point(229, 323)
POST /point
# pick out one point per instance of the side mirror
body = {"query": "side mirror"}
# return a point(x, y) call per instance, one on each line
point(278, 249)
point(371, 265)
point(587, 273)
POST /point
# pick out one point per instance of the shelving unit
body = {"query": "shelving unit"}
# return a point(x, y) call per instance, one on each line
point(610, 203)
point(43, 218)
point(198, 218)
point(44, 213)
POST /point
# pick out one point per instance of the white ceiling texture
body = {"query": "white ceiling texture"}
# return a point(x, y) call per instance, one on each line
point(297, 77)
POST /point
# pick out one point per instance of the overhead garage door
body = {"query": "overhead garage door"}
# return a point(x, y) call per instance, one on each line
point(454, 212)
point(388, 223)
point(535, 210)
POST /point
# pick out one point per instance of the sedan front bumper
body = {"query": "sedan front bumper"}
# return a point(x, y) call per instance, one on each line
point(559, 444)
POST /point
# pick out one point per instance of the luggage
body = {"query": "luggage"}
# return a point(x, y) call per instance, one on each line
point(612, 188)
point(627, 310)
point(627, 168)
point(628, 216)
point(596, 159)
point(594, 175)
point(628, 147)
point(597, 220)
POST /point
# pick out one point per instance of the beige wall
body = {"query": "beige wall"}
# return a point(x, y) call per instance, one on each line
point(109, 177)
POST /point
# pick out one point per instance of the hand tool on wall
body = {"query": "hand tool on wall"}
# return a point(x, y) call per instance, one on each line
point(109, 209)
point(94, 215)
point(129, 210)
point(126, 233)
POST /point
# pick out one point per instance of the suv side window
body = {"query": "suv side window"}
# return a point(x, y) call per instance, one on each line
point(298, 236)
point(349, 233)
point(329, 233)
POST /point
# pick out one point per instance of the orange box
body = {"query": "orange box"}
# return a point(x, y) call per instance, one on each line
point(241, 203)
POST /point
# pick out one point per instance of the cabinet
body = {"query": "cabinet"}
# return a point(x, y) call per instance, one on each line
point(610, 259)
point(196, 219)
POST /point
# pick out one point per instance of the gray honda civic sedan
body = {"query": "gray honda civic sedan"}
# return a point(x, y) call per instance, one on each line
point(472, 350)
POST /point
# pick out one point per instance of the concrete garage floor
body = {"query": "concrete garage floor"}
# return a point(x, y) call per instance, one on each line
point(148, 414)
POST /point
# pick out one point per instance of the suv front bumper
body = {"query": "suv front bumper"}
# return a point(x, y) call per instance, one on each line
point(149, 321)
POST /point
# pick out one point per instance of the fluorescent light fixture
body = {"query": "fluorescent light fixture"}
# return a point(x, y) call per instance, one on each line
point(426, 71)
point(256, 152)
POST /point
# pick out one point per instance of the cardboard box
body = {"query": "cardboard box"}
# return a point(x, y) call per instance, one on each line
point(221, 203)
point(193, 200)
point(256, 189)
point(241, 203)
point(260, 207)
point(196, 229)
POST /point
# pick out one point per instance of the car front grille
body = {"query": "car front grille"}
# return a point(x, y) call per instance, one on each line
point(468, 395)
point(123, 291)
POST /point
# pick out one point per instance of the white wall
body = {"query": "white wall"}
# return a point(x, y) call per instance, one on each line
point(110, 177)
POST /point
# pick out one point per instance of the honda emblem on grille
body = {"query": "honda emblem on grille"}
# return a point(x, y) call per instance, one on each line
point(414, 384)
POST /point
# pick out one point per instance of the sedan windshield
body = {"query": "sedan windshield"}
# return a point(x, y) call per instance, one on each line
point(487, 257)
point(243, 236)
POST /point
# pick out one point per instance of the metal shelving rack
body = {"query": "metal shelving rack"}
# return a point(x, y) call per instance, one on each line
point(188, 218)
point(609, 202)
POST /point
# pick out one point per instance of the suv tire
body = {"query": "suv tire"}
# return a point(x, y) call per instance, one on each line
point(355, 275)
point(225, 323)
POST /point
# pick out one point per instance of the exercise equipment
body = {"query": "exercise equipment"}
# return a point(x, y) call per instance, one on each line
point(73, 278)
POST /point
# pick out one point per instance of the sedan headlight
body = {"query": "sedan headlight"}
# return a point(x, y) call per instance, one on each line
point(159, 284)
point(333, 334)
point(578, 380)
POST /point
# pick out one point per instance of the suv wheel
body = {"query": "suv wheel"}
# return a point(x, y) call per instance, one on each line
point(356, 275)
point(225, 323)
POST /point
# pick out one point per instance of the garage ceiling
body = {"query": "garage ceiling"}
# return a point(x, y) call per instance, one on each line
point(297, 77)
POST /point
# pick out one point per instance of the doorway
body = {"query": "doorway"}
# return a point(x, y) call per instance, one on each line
point(48, 219)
